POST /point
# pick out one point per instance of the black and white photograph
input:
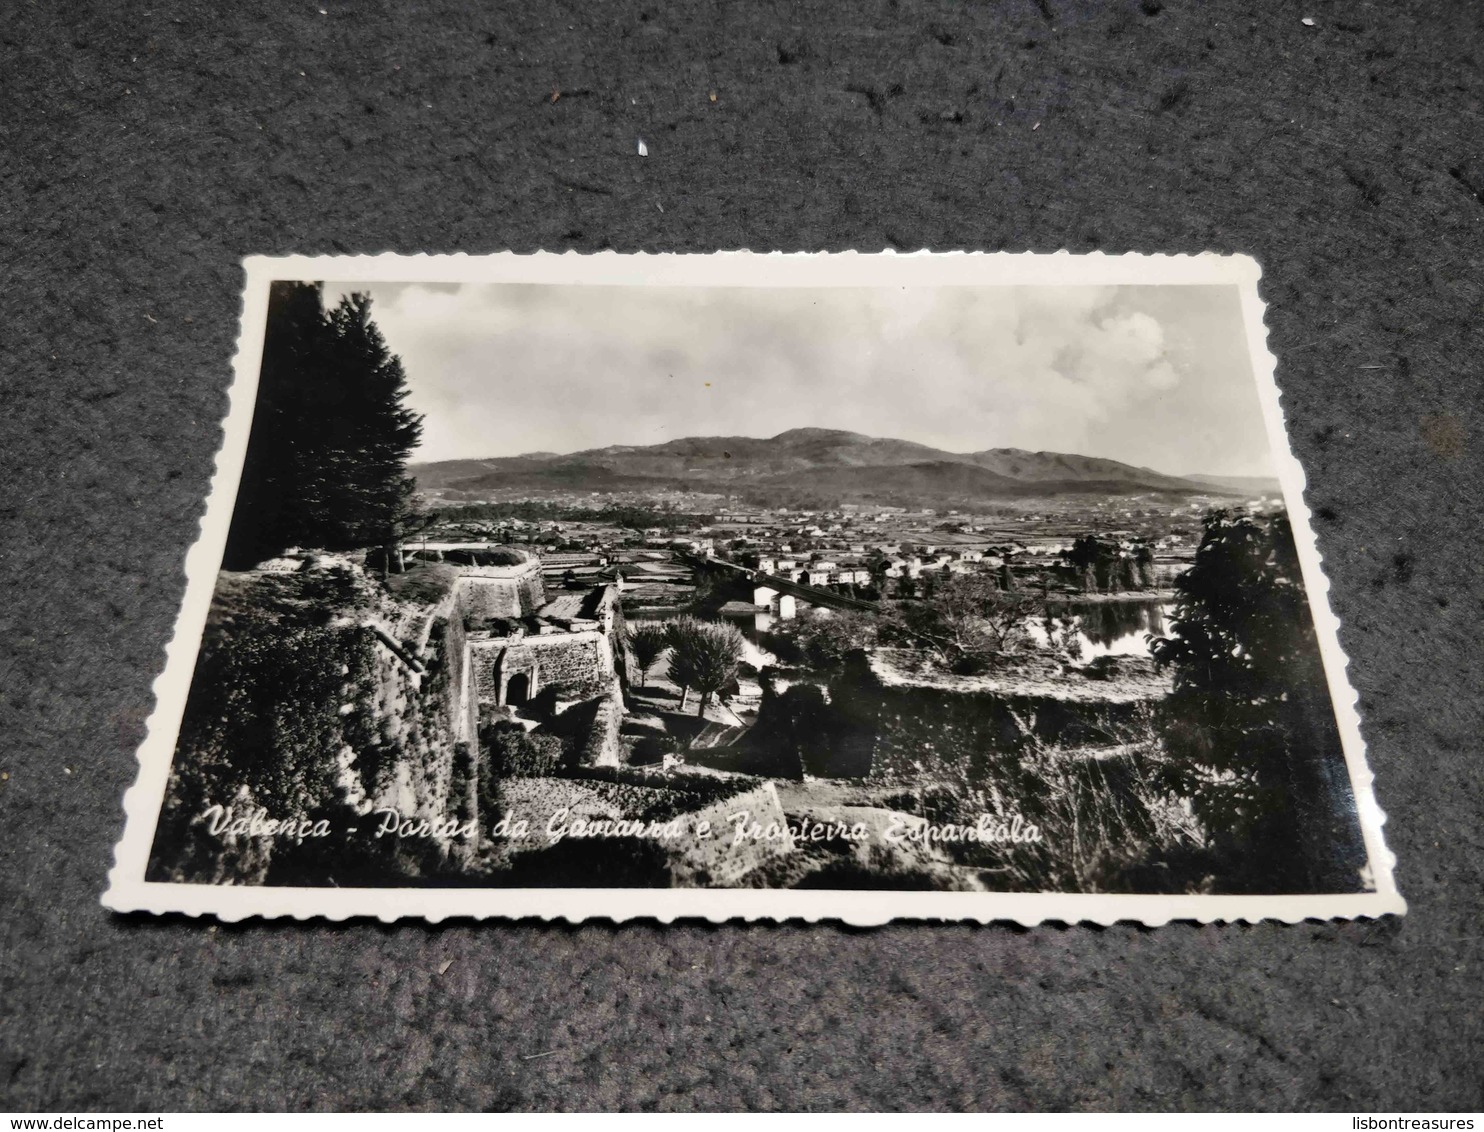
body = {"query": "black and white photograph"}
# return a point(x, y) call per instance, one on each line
point(764, 558)
point(845, 586)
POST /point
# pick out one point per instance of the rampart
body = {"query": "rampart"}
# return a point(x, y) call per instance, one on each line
point(718, 859)
point(373, 709)
point(428, 719)
point(602, 747)
point(502, 592)
point(906, 715)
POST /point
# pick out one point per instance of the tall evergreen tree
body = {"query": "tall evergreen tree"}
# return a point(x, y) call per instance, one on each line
point(380, 433)
point(272, 490)
point(326, 461)
point(704, 655)
point(1251, 699)
point(648, 640)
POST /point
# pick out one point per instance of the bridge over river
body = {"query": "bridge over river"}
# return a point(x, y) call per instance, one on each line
point(769, 589)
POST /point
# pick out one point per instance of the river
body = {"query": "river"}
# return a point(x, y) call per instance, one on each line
point(1107, 628)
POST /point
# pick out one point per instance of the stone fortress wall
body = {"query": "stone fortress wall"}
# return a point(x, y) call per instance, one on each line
point(508, 592)
point(577, 665)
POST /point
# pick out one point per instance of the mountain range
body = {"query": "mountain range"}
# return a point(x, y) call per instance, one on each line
point(817, 462)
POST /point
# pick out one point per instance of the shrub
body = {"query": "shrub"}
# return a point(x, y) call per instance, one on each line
point(1114, 819)
point(514, 752)
point(423, 583)
point(964, 616)
point(652, 749)
point(608, 862)
point(848, 873)
point(971, 664)
point(823, 641)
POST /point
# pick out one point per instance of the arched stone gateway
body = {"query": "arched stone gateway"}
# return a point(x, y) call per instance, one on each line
point(577, 665)
point(517, 677)
point(517, 689)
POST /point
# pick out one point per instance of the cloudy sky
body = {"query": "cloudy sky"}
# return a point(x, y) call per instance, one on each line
point(1154, 376)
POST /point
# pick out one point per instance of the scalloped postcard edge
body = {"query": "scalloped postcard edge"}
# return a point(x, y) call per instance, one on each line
point(128, 891)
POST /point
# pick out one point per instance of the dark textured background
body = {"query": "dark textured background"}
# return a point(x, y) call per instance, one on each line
point(145, 148)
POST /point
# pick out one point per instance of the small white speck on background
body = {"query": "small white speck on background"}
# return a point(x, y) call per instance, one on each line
point(643, 149)
point(1307, 21)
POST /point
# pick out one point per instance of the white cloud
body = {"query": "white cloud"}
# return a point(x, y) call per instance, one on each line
point(1147, 375)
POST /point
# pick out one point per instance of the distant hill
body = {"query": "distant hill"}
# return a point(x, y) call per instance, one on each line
point(819, 461)
point(1241, 485)
point(1060, 467)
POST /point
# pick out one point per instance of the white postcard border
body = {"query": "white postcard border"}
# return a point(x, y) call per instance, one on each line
point(129, 892)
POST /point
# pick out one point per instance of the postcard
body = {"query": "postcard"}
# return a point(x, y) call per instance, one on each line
point(755, 586)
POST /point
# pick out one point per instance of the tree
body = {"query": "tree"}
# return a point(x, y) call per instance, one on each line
point(1242, 629)
point(1095, 562)
point(682, 671)
point(380, 432)
point(705, 656)
point(277, 483)
point(327, 457)
point(413, 521)
point(824, 639)
point(969, 620)
point(648, 640)
point(1142, 560)
point(681, 674)
point(928, 581)
point(1251, 702)
point(1109, 567)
